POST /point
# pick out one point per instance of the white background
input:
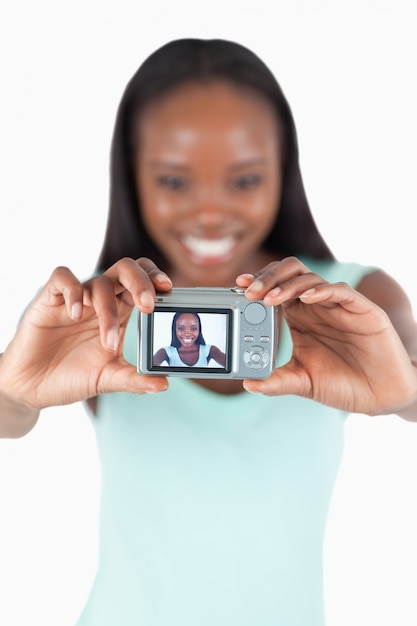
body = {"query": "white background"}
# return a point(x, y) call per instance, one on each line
point(349, 71)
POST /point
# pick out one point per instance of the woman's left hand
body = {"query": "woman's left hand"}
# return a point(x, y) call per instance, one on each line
point(346, 352)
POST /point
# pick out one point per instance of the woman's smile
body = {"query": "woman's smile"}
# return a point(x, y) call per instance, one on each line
point(209, 251)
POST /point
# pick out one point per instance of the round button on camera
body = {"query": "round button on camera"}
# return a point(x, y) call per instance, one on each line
point(256, 358)
point(255, 313)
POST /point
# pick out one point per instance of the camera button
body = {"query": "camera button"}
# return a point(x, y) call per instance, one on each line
point(256, 358)
point(255, 313)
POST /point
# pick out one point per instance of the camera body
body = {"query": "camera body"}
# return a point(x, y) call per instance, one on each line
point(244, 332)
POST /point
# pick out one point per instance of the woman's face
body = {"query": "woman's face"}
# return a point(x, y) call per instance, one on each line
point(187, 329)
point(208, 174)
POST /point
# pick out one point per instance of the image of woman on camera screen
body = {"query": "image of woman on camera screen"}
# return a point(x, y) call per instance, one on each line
point(188, 346)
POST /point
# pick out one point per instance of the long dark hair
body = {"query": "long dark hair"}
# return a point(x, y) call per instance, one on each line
point(294, 231)
point(174, 339)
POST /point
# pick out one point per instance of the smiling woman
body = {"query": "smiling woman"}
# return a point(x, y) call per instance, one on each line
point(188, 346)
point(205, 146)
point(214, 501)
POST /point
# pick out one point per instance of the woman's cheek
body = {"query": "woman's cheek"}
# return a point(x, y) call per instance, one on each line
point(162, 208)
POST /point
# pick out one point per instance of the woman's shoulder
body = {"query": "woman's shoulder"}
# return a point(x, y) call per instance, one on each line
point(334, 270)
point(205, 349)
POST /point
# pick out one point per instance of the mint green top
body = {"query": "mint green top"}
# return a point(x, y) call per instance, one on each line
point(214, 507)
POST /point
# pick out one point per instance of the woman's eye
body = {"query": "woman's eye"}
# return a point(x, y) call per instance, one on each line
point(249, 181)
point(173, 182)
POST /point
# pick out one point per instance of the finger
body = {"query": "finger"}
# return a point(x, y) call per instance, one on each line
point(102, 298)
point(342, 294)
point(159, 278)
point(244, 280)
point(127, 282)
point(283, 381)
point(273, 277)
point(125, 378)
point(291, 290)
point(64, 286)
point(140, 278)
point(127, 276)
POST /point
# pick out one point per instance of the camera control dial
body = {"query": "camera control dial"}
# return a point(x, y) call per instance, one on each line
point(256, 357)
point(255, 313)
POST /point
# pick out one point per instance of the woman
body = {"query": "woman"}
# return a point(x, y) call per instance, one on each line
point(188, 347)
point(214, 501)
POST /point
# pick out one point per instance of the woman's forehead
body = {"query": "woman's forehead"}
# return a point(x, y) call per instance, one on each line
point(217, 122)
point(187, 316)
point(216, 104)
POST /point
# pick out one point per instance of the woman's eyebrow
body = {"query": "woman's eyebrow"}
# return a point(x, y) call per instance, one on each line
point(165, 164)
point(247, 163)
point(180, 167)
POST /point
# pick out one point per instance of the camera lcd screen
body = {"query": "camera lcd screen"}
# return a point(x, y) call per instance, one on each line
point(190, 339)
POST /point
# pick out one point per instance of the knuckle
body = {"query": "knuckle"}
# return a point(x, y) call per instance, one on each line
point(153, 270)
point(100, 280)
point(268, 273)
point(127, 260)
point(62, 272)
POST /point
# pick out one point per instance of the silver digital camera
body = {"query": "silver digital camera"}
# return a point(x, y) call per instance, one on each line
point(208, 333)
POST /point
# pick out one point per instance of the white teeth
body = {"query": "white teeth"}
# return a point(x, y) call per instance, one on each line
point(209, 247)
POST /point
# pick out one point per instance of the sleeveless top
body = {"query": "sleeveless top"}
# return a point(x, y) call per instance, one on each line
point(213, 508)
point(175, 359)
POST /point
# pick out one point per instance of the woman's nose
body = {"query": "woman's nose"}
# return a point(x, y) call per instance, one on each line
point(210, 207)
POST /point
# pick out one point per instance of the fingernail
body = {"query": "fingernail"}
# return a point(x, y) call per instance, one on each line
point(163, 278)
point(146, 300)
point(153, 389)
point(247, 276)
point(112, 339)
point(274, 292)
point(76, 311)
point(307, 293)
point(250, 390)
point(256, 287)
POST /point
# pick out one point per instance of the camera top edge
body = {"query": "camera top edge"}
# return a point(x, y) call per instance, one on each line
point(201, 295)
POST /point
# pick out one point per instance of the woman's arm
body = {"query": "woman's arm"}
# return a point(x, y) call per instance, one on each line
point(390, 296)
point(160, 356)
point(217, 355)
point(16, 418)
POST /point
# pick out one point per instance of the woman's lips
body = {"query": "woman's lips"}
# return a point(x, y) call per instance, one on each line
point(203, 250)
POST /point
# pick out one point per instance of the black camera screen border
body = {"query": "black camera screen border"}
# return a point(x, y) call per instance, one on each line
point(224, 320)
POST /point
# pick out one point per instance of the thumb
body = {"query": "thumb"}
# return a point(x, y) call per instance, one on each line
point(125, 378)
point(285, 380)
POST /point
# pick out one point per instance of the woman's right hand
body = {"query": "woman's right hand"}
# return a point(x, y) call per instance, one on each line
point(68, 346)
